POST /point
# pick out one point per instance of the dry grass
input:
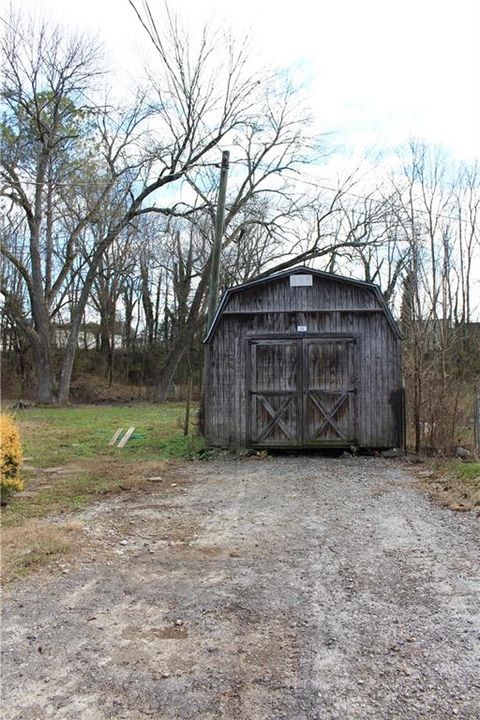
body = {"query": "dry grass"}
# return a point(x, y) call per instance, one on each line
point(72, 486)
point(34, 544)
point(29, 540)
point(453, 484)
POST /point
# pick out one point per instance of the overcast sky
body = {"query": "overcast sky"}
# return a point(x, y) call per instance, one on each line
point(377, 71)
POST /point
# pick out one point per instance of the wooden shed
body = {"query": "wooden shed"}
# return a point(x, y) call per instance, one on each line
point(303, 359)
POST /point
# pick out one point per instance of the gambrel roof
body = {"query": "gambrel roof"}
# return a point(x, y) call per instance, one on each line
point(302, 270)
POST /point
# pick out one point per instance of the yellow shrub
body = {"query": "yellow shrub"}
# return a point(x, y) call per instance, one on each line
point(10, 458)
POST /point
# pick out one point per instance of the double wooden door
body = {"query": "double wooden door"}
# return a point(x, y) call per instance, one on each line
point(301, 392)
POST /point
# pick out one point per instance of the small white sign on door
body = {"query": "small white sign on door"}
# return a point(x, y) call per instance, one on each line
point(301, 328)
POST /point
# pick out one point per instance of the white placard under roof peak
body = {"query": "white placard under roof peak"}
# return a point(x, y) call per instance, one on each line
point(301, 280)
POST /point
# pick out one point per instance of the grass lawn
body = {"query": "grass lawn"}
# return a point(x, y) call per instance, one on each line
point(68, 464)
point(53, 436)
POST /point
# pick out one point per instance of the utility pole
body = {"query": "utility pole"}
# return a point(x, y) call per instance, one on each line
point(217, 243)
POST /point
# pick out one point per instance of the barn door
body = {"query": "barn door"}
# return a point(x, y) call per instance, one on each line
point(328, 391)
point(275, 393)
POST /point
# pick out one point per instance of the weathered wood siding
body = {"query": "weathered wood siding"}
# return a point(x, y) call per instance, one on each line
point(330, 307)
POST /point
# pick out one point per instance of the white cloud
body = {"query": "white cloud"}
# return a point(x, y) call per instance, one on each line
point(377, 71)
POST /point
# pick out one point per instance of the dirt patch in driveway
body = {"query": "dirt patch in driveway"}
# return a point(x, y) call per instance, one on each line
point(295, 588)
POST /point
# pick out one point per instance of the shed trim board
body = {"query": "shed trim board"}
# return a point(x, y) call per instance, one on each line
point(340, 337)
point(305, 310)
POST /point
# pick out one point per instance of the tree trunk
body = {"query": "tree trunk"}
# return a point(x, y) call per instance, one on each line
point(183, 340)
point(105, 345)
point(417, 403)
point(147, 304)
point(41, 347)
point(45, 394)
point(167, 372)
point(71, 349)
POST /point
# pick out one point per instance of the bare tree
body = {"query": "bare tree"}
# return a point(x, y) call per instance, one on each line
point(467, 209)
point(436, 210)
point(46, 81)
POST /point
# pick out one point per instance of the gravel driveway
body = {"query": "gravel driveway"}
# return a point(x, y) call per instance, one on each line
point(295, 588)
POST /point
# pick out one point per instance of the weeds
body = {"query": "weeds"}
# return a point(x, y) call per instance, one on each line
point(34, 544)
point(454, 484)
